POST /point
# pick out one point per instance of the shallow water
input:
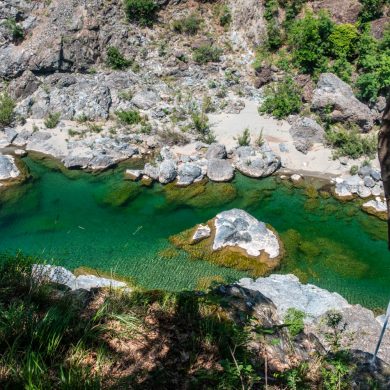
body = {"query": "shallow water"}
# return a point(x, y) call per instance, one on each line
point(107, 223)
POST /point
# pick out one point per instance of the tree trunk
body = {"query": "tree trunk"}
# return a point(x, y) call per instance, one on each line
point(384, 158)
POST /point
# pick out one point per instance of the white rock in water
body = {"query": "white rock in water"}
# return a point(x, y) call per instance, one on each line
point(342, 190)
point(378, 205)
point(133, 174)
point(296, 177)
point(8, 168)
point(203, 231)
point(238, 228)
point(61, 275)
point(285, 291)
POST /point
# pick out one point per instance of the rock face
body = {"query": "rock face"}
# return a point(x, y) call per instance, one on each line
point(8, 168)
point(256, 162)
point(219, 170)
point(238, 228)
point(338, 95)
point(62, 276)
point(306, 132)
point(285, 291)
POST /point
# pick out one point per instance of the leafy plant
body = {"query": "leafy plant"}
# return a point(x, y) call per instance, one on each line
point(343, 40)
point(189, 25)
point(225, 16)
point(207, 53)
point(141, 11)
point(116, 60)
point(15, 29)
point(282, 99)
point(7, 107)
point(52, 120)
point(294, 320)
point(260, 139)
point(245, 138)
point(129, 117)
point(372, 9)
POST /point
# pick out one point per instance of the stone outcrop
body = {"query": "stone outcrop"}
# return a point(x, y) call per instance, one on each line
point(237, 228)
point(219, 170)
point(306, 132)
point(333, 93)
point(8, 169)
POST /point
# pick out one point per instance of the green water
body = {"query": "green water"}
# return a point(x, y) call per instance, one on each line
point(106, 223)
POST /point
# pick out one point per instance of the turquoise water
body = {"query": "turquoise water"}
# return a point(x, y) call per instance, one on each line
point(107, 223)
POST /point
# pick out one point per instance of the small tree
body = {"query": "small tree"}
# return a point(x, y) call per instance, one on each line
point(116, 60)
point(141, 11)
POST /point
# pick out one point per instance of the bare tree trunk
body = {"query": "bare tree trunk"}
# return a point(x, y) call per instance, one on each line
point(384, 158)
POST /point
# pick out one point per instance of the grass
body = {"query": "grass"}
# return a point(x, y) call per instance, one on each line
point(52, 120)
point(207, 53)
point(129, 117)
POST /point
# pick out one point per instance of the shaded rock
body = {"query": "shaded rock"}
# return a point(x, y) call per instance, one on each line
point(216, 151)
point(23, 86)
point(219, 170)
point(338, 95)
point(238, 228)
point(369, 182)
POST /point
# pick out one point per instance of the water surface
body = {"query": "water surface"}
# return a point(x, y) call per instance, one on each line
point(107, 223)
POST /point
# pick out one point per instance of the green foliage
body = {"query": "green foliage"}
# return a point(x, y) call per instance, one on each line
point(225, 16)
point(294, 320)
point(129, 117)
point(292, 8)
point(259, 141)
point(343, 40)
point(245, 138)
point(207, 53)
point(274, 35)
point(116, 60)
point(189, 25)
point(351, 143)
point(308, 39)
point(342, 68)
point(354, 170)
point(7, 106)
point(335, 375)
point(282, 99)
point(141, 11)
point(270, 9)
point(372, 9)
point(15, 29)
point(52, 120)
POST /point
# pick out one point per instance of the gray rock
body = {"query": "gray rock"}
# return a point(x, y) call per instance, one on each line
point(285, 291)
point(375, 174)
point(219, 170)
point(306, 132)
point(151, 171)
point(342, 190)
point(238, 228)
point(369, 182)
point(283, 148)
point(363, 191)
point(8, 168)
point(167, 171)
point(364, 171)
point(87, 282)
point(202, 232)
point(23, 86)
point(188, 173)
point(335, 93)
point(216, 151)
point(145, 99)
point(378, 205)
point(245, 151)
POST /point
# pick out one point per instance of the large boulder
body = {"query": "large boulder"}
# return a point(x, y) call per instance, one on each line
point(333, 93)
point(306, 131)
point(216, 151)
point(219, 170)
point(256, 162)
point(188, 173)
point(8, 168)
point(237, 228)
point(167, 171)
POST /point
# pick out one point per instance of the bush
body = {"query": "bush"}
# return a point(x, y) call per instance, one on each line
point(225, 16)
point(7, 106)
point(245, 138)
point(282, 99)
point(52, 120)
point(116, 60)
point(15, 29)
point(141, 11)
point(274, 35)
point(352, 144)
point(294, 320)
point(343, 40)
point(189, 25)
point(129, 117)
point(342, 68)
point(372, 9)
point(309, 40)
point(207, 53)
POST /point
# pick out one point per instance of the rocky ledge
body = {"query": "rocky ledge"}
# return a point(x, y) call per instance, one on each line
point(361, 328)
point(234, 239)
point(9, 171)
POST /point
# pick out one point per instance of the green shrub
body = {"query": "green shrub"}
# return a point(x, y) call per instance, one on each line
point(141, 11)
point(207, 53)
point(15, 29)
point(343, 40)
point(294, 320)
point(372, 9)
point(292, 8)
point(308, 39)
point(282, 99)
point(270, 9)
point(368, 87)
point(116, 60)
point(225, 16)
point(129, 117)
point(351, 143)
point(7, 106)
point(245, 138)
point(189, 25)
point(274, 35)
point(342, 68)
point(52, 120)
